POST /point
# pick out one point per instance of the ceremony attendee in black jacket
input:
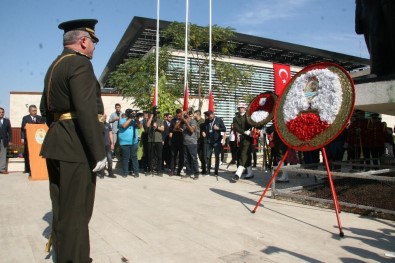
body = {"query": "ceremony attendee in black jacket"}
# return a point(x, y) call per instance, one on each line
point(73, 147)
point(166, 152)
point(212, 132)
point(31, 118)
point(176, 145)
point(5, 141)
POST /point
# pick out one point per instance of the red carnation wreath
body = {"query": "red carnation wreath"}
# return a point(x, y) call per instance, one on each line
point(261, 109)
point(315, 106)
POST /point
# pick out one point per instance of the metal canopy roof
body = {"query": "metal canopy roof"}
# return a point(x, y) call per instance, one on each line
point(140, 37)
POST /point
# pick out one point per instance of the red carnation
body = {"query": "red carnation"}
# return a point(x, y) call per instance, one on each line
point(306, 126)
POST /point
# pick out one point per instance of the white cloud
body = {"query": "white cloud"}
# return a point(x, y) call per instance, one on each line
point(260, 12)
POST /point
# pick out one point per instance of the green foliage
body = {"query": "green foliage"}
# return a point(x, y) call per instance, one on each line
point(199, 38)
point(135, 78)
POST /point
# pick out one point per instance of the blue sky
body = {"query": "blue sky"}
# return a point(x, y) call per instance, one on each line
point(31, 39)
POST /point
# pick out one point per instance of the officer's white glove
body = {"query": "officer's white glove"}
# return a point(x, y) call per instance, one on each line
point(247, 133)
point(100, 165)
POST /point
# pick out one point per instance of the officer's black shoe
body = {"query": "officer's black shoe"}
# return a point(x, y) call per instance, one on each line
point(247, 177)
point(112, 176)
point(235, 178)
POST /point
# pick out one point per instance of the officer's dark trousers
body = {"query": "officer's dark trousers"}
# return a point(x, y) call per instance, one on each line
point(244, 154)
point(72, 190)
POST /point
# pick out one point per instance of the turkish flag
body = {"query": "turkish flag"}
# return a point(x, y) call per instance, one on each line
point(211, 101)
point(185, 107)
point(282, 74)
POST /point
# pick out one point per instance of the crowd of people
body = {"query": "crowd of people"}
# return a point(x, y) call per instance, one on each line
point(146, 143)
point(143, 141)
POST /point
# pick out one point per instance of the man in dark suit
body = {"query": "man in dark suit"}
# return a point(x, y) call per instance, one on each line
point(166, 153)
point(73, 146)
point(176, 145)
point(5, 141)
point(31, 118)
point(212, 133)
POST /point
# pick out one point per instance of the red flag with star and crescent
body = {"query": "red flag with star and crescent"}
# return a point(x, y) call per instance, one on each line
point(185, 106)
point(211, 101)
point(155, 98)
point(282, 74)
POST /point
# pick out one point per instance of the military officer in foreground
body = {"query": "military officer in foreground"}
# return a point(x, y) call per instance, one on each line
point(73, 146)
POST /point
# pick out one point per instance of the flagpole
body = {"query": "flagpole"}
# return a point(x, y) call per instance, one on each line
point(185, 106)
point(156, 98)
point(211, 98)
point(209, 51)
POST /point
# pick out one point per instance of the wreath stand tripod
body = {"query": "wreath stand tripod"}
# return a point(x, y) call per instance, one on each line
point(334, 196)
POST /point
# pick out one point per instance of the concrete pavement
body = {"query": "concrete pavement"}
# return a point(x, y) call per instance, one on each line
point(169, 219)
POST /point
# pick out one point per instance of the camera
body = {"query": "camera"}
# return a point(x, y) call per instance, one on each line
point(155, 110)
point(186, 116)
point(130, 113)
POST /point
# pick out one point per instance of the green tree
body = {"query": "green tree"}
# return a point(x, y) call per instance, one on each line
point(135, 78)
point(227, 75)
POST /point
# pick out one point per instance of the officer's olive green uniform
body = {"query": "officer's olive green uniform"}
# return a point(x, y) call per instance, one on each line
point(241, 125)
point(74, 143)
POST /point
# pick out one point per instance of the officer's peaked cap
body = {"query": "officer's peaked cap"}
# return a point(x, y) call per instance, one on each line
point(87, 25)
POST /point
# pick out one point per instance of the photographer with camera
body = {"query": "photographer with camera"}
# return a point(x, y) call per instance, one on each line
point(176, 143)
point(188, 125)
point(128, 141)
point(154, 130)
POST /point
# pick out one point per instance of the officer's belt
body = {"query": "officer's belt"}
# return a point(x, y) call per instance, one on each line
point(73, 115)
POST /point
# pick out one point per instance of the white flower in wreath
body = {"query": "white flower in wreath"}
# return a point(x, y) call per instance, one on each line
point(260, 115)
point(319, 90)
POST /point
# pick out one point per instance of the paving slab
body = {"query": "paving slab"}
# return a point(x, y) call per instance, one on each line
point(169, 219)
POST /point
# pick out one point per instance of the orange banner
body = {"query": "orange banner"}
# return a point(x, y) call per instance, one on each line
point(35, 136)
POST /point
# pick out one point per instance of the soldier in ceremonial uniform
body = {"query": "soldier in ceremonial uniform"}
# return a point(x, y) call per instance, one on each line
point(357, 138)
point(73, 146)
point(241, 126)
point(378, 133)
